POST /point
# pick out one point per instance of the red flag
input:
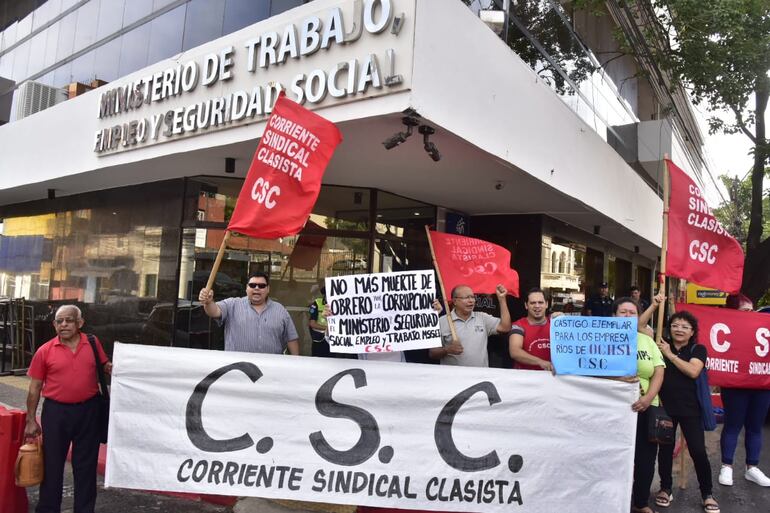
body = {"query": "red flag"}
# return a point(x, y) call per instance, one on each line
point(476, 263)
point(738, 345)
point(285, 175)
point(699, 248)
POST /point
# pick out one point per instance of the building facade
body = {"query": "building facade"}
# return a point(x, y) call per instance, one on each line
point(117, 198)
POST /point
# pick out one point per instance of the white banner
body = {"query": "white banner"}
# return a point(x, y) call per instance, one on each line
point(369, 433)
point(382, 312)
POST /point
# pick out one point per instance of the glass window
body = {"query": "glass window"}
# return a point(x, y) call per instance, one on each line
point(36, 53)
point(51, 40)
point(21, 59)
point(45, 13)
point(25, 27)
point(107, 61)
point(66, 4)
point(279, 6)
point(342, 208)
point(9, 35)
point(88, 16)
point(83, 68)
point(135, 10)
point(242, 13)
point(157, 4)
point(203, 22)
point(110, 18)
point(62, 75)
point(166, 35)
point(402, 217)
point(67, 26)
point(133, 50)
point(562, 274)
point(6, 65)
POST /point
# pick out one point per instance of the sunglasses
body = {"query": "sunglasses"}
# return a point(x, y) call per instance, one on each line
point(258, 285)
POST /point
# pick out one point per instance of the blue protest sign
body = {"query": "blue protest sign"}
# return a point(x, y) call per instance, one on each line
point(594, 346)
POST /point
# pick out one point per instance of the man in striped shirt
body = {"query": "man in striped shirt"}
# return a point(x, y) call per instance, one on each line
point(255, 323)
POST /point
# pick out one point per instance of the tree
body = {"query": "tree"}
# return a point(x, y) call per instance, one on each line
point(734, 213)
point(719, 52)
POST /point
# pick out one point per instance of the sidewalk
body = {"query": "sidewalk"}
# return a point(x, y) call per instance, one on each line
point(743, 497)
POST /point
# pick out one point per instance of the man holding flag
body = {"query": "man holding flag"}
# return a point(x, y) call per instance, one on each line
point(473, 328)
point(466, 264)
point(276, 200)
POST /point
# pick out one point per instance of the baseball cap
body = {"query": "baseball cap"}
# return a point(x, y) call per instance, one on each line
point(603, 285)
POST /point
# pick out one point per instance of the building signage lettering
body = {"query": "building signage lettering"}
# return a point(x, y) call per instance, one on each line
point(269, 50)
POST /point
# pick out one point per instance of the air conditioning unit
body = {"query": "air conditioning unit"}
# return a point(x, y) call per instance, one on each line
point(34, 97)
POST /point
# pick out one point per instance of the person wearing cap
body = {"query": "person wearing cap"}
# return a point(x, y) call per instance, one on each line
point(601, 305)
point(254, 323)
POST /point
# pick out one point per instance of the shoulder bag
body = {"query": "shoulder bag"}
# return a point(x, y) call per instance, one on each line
point(104, 394)
point(660, 429)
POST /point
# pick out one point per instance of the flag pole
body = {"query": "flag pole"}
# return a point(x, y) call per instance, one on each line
point(220, 254)
point(663, 247)
point(441, 285)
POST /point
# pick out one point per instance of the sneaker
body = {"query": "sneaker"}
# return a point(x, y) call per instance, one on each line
point(756, 476)
point(726, 475)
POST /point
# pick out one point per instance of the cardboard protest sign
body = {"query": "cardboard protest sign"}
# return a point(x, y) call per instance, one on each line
point(369, 433)
point(699, 249)
point(738, 345)
point(594, 346)
point(285, 175)
point(382, 312)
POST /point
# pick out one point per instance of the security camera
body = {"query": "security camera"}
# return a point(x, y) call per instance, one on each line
point(394, 140)
point(433, 151)
point(499, 186)
point(400, 137)
point(430, 147)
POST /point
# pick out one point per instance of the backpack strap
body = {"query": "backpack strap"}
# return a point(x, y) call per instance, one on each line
point(101, 380)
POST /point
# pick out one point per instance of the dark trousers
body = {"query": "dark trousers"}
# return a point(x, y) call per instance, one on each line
point(692, 429)
point(64, 424)
point(744, 408)
point(644, 462)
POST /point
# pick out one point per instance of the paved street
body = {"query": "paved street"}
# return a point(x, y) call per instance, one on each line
point(743, 497)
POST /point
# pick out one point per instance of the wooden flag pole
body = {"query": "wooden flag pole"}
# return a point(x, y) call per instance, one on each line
point(664, 246)
point(455, 340)
point(220, 254)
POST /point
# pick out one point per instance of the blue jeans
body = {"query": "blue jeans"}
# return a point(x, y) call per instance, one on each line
point(744, 408)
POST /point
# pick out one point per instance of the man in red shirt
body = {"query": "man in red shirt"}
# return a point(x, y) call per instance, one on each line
point(530, 341)
point(64, 370)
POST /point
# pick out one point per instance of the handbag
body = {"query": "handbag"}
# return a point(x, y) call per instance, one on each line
point(104, 394)
point(660, 429)
point(29, 464)
point(703, 391)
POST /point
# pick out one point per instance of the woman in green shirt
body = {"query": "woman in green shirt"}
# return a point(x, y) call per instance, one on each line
point(649, 369)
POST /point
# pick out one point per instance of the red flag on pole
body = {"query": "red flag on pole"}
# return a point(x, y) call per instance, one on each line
point(699, 248)
point(738, 345)
point(284, 178)
point(476, 263)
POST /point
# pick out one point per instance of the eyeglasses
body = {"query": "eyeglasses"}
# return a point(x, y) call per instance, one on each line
point(465, 298)
point(68, 320)
point(681, 327)
point(257, 285)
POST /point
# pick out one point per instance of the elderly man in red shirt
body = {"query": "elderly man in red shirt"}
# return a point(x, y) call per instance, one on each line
point(64, 370)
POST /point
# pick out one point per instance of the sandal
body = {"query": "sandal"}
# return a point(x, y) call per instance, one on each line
point(710, 505)
point(664, 498)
